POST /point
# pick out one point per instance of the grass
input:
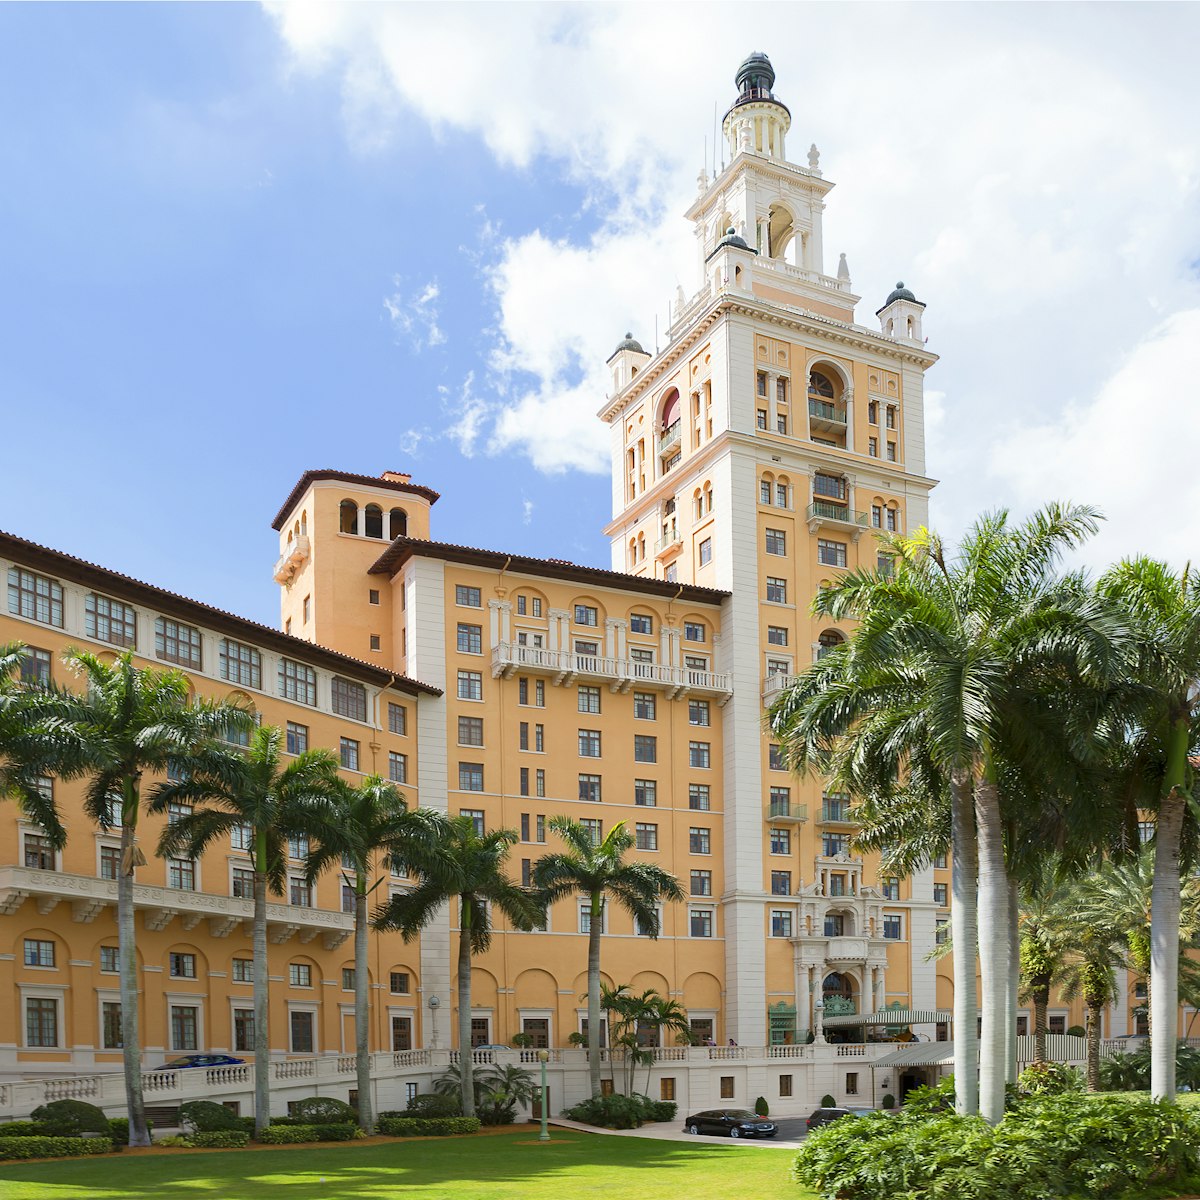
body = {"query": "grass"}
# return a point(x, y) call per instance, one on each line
point(504, 1166)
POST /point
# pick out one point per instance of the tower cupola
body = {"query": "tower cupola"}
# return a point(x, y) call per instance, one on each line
point(626, 360)
point(756, 121)
point(900, 316)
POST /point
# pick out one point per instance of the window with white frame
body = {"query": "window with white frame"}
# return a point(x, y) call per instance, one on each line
point(645, 792)
point(646, 835)
point(35, 597)
point(700, 922)
point(781, 923)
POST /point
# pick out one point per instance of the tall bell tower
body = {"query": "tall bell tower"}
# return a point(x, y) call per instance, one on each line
point(760, 451)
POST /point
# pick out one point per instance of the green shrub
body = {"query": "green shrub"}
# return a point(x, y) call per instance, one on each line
point(889, 1101)
point(427, 1126)
point(322, 1110)
point(827, 1101)
point(280, 1134)
point(1049, 1079)
point(761, 1107)
point(662, 1110)
point(220, 1138)
point(432, 1104)
point(53, 1147)
point(1076, 1031)
point(610, 1112)
point(22, 1129)
point(1072, 1144)
point(174, 1141)
point(70, 1118)
point(206, 1116)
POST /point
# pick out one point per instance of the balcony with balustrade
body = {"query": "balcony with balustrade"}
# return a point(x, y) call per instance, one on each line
point(835, 812)
point(773, 686)
point(621, 674)
point(784, 812)
point(292, 559)
point(669, 439)
point(839, 516)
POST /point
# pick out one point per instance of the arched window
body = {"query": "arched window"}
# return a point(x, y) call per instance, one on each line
point(671, 409)
point(820, 386)
point(304, 523)
point(348, 517)
point(397, 523)
point(373, 521)
point(642, 547)
point(830, 639)
point(633, 557)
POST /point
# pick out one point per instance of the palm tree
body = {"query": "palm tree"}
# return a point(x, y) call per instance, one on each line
point(254, 791)
point(368, 824)
point(1090, 973)
point(660, 1014)
point(25, 751)
point(599, 870)
point(1163, 609)
point(948, 669)
point(468, 866)
point(126, 722)
point(1047, 930)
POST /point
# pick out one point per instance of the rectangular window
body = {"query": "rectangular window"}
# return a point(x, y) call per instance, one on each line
point(873, 447)
point(781, 883)
point(177, 643)
point(777, 635)
point(589, 743)
point(781, 841)
point(891, 516)
point(110, 1025)
point(939, 862)
point(298, 847)
point(700, 923)
point(891, 416)
point(760, 418)
point(699, 797)
point(476, 817)
point(694, 631)
point(397, 767)
point(760, 383)
point(41, 1022)
point(834, 844)
point(892, 926)
point(301, 1026)
point(240, 664)
point(645, 706)
point(700, 883)
point(39, 853)
point(781, 923)
point(891, 887)
point(699, 840)
point(646, 835)
point(109, 620)
point(776, 590)
point(241, 837)
point(585, 614)
point(595, 827)
point(109, 961)
point(349, 698)
point(705, 552)
point(39, 953)
point(700, 754)
point(397, 719)
point(35, 597)
point(589, 699)
point(776, 541)
point(645, 748)
point(641, 623)
point(775, 758)
point(470, 731)
point(470, 777)
point(781, 801)
point(243, 1029)
point(698, 712)
point(35, 666)
point(299, 975)
point(347, 979)
point(470, 639)
point(764, 491)
point(299, 892)
point(941, 930)
point(297, 682)
point(666, 1088)
point(876, 516)
point(183, 966)
point(372, 595)
point(891, 451)
point(524, 781)
point(540, 827)
point(185, 1023)
point(831, 554)
point(851, 1083)
point(470, 685)
point(539, 783)
point(785, 1085)
point(467, 597)
point(585, 919)
point(524, 827)
point(873, 412)
point(781, 422)
point(939, 893)
point(398, 983)
point(589, 788)
point(243, 970)
point(781, 495)
point(297, 738)
point(110, 862)
point(645, 792)
point(349, 753)
point(181, 874)
point(349, 898)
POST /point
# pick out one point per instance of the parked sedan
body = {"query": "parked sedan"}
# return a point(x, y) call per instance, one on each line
point(736, 1122)
point(200, 1060)
point(823, 1116)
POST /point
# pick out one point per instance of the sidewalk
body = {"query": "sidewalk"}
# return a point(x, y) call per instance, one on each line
point(673, 1131)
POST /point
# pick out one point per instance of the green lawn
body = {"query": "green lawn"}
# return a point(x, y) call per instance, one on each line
point(504, 1166)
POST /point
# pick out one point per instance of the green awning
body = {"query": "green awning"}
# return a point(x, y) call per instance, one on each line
point(889, 1016)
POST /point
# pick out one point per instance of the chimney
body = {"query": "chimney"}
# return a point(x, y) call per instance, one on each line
point(396, 477)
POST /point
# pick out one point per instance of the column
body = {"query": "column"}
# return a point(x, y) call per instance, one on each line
point(848, 396)
point(610, 637)
point(819, 1005)
point(494, 623)
point(803, 1000)
point(557, 622)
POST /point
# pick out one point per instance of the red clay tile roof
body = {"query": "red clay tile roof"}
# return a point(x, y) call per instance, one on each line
point(392, 485)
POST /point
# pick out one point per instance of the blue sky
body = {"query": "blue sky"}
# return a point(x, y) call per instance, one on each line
point(237, 242)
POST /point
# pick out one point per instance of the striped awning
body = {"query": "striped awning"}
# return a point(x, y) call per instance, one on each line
point(1060, 1047)
point(889, 1016)
point(919, 1054)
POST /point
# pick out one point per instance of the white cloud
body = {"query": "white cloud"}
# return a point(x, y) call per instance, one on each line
point(415, 317)
point(466, 416)
point(527, 507)
point(1031, 172)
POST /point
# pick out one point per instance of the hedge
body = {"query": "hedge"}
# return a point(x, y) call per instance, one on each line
point(53, 1147)
point(427, 1126)
point(206, 1116)
point(69, 1118)
point(286, 1135)
point(22, 1129)
point(219, 1138)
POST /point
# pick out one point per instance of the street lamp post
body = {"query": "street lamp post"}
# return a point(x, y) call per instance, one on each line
point(433, 1007)
point(544, 1058)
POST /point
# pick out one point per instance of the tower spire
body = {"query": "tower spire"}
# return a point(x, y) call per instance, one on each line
point(756, 121)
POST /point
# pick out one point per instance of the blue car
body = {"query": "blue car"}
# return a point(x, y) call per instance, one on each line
point(200, 1060)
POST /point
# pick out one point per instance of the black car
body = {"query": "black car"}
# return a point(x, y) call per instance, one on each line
point(200, 1060)
point(823, 1116)
point(737, 1122)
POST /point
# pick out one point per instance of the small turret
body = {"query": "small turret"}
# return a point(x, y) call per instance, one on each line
point(756, 121)
point(626, 361)
point(900, 316)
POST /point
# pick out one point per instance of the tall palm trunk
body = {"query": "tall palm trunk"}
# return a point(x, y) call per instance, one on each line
point(1095, 1010)
point(993, 948)
point(1041, 1002)
point(1014, 982)
point(964, 915)
point(1164, 919)
point(262, 1035)
point(362, 1017)
point(466, 1064)
point(597, 915)
point(131, 1047)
